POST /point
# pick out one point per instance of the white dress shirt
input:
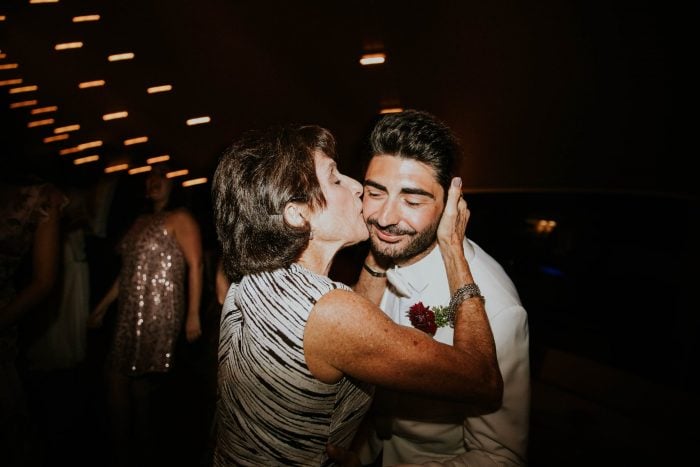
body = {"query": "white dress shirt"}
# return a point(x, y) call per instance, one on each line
point(422, 430)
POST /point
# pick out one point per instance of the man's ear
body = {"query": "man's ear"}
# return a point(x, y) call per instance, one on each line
point(296, 214)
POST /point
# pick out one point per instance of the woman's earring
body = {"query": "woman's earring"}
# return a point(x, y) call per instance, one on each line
point(311, 234)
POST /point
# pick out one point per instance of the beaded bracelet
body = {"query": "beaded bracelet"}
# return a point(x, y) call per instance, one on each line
point(465, 292)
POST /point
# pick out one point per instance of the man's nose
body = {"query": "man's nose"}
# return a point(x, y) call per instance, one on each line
point(388, 213)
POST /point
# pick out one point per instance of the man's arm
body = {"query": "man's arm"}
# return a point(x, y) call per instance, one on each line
point(372, 280)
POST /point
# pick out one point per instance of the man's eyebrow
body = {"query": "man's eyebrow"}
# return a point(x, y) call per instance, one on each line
point(416, 191)
point(375, 185)
point(404, 190)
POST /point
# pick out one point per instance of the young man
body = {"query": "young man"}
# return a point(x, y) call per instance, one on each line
point(412, 158)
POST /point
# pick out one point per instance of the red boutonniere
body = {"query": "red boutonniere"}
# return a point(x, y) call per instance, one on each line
point(428, 320)
point(423, 318)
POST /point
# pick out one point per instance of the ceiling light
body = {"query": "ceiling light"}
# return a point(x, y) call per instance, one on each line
point(43, 110)
point(138, 170)
point(85, 18)
point(66, 129)
point(198, 121)
point(68, 45)
point(155, 160)
point(86, 159)
point(116, 168)
point(177, 173)
point(51, 139)
point(43, 1)
point(115, 115)
point(8, 82)
point(194, 181)
point(24, 89)
point(91, 84)
point(161, 88)
point(17, 105)
point(72, 150)
point(391, 110)
point(138, 140)
point(8, 66)
point(36, 123)
point(2, 18)
point(372, 59)
point(118, 57)
point(91, 144)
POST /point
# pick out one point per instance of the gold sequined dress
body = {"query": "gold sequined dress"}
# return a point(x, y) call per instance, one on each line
point(151, 299)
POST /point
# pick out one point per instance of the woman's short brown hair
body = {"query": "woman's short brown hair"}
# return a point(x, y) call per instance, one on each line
point(254, 180)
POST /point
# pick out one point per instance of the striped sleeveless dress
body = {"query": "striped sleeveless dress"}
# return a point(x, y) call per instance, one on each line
point(271, 410)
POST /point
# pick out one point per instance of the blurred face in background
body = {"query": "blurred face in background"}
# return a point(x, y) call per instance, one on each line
point(158, 187)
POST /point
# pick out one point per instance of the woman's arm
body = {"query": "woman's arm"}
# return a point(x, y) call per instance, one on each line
point(189, 239)
point(45, 260)
point(346, 334)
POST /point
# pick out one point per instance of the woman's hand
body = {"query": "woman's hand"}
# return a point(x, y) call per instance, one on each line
point(96, 318)
point(193, 328)
point(450, 233)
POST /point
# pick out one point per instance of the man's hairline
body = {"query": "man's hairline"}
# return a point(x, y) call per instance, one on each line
point(402, 156)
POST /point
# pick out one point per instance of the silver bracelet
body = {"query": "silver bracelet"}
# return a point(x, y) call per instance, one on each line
point(465, 292)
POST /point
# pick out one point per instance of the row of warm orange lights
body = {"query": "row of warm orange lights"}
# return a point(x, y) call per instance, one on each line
point(83, 85)
point(143, 169)
point(94, 144)
point(106, 117)
point(60, 133)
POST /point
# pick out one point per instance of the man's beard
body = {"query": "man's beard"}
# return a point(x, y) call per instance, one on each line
point(418, 242)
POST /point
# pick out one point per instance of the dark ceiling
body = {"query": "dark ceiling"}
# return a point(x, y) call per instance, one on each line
point(544, 95)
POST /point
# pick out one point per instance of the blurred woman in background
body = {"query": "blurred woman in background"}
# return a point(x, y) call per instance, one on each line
point(159, 286)
point(30, 212)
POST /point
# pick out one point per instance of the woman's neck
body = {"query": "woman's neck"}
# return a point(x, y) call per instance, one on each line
point(318, 258)
point(158, 206)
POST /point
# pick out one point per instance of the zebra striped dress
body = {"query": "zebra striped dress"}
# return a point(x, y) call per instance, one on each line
point(271, 410)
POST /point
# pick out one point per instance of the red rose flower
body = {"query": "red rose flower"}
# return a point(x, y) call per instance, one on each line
point(423, 318)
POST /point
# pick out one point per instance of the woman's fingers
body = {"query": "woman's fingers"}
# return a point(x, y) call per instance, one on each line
point(455, 215)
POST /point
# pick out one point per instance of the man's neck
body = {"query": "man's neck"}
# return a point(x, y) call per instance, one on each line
point(418, 257)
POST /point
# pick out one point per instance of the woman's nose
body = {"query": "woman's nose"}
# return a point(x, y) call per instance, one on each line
point(356, 187)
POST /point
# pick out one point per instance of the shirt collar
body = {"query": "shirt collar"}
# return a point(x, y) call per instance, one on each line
point(417, 276)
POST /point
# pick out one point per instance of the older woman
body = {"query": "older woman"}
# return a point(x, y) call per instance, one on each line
point(299, 353)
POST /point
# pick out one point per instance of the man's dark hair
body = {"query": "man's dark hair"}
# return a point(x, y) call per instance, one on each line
point(254, 180)
point(418, 135)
